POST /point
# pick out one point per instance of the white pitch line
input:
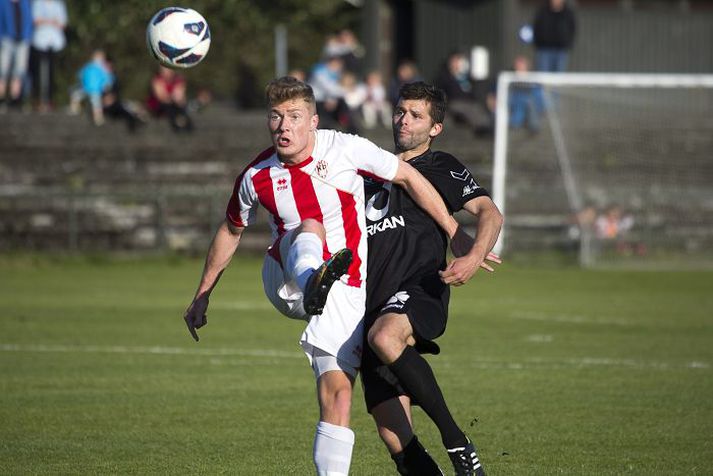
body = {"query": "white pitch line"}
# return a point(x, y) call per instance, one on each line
point(539, 363)
point(156, 350)
point(568, 318)
point(441, 361)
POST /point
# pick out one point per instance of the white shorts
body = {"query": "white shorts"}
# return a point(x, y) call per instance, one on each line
point(323, 362)
point(338, 331)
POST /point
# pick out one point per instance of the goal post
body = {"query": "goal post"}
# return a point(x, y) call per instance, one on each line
point(632, 149)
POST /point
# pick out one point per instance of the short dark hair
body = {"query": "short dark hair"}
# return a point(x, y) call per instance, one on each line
point(288, 88)
point(434, 96)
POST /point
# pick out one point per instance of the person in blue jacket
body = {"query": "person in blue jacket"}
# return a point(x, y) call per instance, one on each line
point(95, 79)
point(15, 37)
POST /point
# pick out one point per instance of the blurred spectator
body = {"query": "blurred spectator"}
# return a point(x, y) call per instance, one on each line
point(325, 80)
point(168, 98)
point(406, 72)
point(115, 107)
point(346, 46)
point(526, 99)
point(581, 225)
point(376, 106)
point(95, 78)
point(354, 92)
point(554, 31)
point(298, 74)
point(203, 97)
point(463, 103)
point(613, 223)
point(614, 228)
point(50, 20)
point(15, 36)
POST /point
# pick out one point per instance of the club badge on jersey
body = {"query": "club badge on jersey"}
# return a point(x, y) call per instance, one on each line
point(321, 169)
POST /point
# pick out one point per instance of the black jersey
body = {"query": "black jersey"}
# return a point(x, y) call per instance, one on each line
point(405, 244)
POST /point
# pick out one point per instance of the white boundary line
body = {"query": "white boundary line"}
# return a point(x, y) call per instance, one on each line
point(483, 363)
point(155, 350)
point(570, 319)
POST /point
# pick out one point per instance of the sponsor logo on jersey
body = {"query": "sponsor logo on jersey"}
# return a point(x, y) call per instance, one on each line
point(470, 188)
point(378, 205)
point(282, 184)
point(397, 301)
point(386, 224)
point(321, 169)
point(376, 209)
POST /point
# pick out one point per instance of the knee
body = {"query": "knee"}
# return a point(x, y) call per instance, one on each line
point(310, 225)
point(389, 336)
point(380, 339)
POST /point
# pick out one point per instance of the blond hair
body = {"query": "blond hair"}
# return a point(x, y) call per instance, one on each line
point(288, 88)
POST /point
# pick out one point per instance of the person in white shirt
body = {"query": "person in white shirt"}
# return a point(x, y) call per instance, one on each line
point(310, 181)
point(376, 107)
point(50, 21)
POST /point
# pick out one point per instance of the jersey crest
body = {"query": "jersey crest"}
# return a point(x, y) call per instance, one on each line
point(321, 169)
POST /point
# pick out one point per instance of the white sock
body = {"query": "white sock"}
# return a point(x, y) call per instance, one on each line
point(304, 257)
point(333, 449)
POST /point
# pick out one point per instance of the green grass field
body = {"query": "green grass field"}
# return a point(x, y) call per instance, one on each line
point(565, 371)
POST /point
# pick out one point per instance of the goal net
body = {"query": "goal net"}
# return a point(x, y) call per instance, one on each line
point(611, 169)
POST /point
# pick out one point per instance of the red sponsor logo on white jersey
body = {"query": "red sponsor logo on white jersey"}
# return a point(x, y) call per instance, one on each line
point(282, 184)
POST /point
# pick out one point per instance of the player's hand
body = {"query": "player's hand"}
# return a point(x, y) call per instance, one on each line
point(195, 315)
point(462, 244)
point(491, 257)
point(460, 270)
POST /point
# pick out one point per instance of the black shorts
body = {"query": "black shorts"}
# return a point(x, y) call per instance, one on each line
point(426, 307)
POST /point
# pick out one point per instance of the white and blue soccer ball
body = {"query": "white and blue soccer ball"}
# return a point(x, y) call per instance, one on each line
point(178, 37)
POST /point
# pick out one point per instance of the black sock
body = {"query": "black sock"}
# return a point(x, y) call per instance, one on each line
point(417, 379)
point(414, 460)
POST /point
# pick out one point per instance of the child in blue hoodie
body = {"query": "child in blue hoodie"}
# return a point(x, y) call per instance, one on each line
point(95, 78)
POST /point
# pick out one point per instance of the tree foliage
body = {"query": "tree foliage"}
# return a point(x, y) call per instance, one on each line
point(241, 59)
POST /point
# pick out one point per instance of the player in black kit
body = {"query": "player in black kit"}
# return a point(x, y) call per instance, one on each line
point(408, 286)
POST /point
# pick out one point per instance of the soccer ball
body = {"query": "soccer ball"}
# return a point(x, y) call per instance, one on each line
point(178, 37)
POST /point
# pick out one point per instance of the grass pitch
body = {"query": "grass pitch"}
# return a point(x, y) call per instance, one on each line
point(551, 371)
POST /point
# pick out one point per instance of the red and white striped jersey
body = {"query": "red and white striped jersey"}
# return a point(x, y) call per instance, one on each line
point(327, 187)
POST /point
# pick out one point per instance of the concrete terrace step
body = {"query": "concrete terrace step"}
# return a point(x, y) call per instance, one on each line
point(54, 149)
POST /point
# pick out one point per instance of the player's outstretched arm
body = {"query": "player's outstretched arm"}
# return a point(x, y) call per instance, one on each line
point(472, 254)
point(222, 248)
point(425, 196)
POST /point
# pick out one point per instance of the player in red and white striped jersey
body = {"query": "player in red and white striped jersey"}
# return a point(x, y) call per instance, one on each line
point(310, 181)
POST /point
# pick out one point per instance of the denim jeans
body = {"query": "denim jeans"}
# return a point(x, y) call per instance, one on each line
point(552, 60)
point(526, 107)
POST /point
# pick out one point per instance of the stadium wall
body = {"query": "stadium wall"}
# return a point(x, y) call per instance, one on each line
point(612, 36)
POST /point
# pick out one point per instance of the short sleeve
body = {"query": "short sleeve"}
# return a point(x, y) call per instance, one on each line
point(455, 183)
point(373, 161)
point(243, 202)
